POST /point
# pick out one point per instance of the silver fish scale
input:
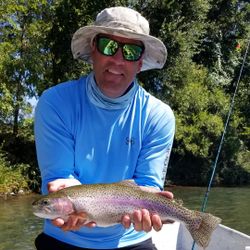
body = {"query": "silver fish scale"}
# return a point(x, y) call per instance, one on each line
point(106, 205)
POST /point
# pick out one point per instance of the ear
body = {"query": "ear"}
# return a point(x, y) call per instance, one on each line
point(140, 65)
point(92, 48)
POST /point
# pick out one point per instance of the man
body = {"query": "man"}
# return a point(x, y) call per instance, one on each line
point(105, 128)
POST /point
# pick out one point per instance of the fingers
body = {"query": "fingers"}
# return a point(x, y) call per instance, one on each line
point(90, 224)
point(167, 194)
point(55, 186)
point(126, 221)
point(59, 184)
point(74, 222)
point(59, 222)
point(156, 221)
point(144, 221)
point(137, 219)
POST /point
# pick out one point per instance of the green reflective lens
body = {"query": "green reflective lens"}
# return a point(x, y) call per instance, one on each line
point(132, 52)
point(108, 47)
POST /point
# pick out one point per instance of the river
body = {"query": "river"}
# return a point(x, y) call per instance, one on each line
point(19, 227)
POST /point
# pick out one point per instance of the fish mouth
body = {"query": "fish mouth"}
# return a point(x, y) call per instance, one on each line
point(43, 215)
point(38, 209)
point(39, 214)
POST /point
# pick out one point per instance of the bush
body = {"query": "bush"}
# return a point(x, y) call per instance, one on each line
point(13, 148)
point(12, 179)
point(234, 176)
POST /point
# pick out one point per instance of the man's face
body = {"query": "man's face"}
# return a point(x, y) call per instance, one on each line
point(114, 74)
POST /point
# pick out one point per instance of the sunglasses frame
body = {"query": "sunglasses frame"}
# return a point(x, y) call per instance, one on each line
point(120, 45)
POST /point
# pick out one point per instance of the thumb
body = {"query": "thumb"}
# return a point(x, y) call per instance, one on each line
point(56, 185)
point(167, 194)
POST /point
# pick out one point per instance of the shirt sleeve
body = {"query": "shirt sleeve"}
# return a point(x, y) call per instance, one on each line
point(54, 141)
point(156, 147)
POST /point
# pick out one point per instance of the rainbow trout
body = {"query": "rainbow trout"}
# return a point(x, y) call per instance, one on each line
point(106, 203)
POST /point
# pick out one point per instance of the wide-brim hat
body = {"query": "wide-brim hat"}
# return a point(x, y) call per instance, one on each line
point(123, 22)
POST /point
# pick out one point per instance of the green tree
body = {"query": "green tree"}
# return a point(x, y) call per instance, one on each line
point(5, 95)
point(201, 36)
point(200, 113)
point(206, 41)
point(224, 45)
point(23, 59)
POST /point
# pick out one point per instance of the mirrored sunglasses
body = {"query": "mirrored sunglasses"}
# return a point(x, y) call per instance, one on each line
point(108, 47)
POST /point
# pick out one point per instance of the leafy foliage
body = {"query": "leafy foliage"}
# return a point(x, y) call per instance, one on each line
point(23, 57)
point(12, 178)
point(206, 41)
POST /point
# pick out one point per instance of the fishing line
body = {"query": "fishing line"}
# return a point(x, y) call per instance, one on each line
point(214, 166)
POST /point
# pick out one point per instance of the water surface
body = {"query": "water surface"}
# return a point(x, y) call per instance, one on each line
point(18, 226)
point(230, 204)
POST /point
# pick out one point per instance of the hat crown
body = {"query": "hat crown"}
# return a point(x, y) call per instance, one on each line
point(124, 18)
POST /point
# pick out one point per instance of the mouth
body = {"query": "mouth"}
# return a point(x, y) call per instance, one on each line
point(114, 72)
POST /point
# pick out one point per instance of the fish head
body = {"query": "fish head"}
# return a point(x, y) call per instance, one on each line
point(51, 208)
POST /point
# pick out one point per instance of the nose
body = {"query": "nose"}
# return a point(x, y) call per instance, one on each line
point(118, 57)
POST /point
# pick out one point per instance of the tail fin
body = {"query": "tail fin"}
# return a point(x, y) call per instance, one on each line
point(202, 234)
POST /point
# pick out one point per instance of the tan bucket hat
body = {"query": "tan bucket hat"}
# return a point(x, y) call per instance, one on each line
point(124, 22)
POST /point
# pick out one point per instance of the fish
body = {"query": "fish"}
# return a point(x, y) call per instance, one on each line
point(105, 204)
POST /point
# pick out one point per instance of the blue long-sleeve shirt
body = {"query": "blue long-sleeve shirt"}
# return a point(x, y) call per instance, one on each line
point(78, 135)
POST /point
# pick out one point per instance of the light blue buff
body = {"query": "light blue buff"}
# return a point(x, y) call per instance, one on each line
point(100, 100)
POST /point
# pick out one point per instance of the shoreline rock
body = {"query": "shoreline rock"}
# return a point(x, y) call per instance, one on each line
point(12, 194)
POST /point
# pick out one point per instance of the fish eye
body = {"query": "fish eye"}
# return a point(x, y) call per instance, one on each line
point(45, 202)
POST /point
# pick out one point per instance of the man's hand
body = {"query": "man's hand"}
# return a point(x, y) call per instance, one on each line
point(142, 219)
point(75, 220)
point(58, 184)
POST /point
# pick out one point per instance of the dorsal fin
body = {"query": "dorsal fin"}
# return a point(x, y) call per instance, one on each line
point(129, 183)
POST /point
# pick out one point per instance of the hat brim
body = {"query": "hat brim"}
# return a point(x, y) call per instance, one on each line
point(155, 53)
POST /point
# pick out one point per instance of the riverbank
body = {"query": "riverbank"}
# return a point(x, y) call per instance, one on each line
point(14, 179)
point(11, 194)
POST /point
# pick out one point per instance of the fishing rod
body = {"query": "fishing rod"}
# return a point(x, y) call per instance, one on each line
point(214, 166)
